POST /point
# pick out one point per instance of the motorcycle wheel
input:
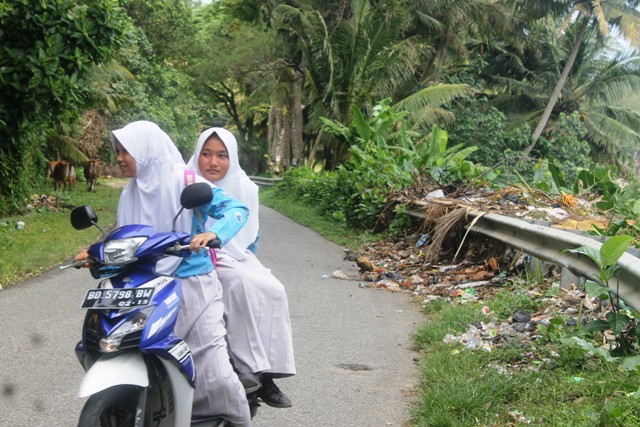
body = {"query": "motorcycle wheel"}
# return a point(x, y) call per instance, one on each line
point(113, 407)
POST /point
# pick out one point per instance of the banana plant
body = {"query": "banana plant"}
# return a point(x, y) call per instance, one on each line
point(444, 163)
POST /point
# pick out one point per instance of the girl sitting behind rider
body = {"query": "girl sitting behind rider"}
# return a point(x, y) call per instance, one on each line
point(147, 155)
point(256, 308)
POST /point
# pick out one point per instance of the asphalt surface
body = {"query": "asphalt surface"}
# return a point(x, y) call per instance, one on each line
point(352, 345)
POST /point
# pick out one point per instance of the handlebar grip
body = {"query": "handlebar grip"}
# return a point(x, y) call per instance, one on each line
point(215, 243)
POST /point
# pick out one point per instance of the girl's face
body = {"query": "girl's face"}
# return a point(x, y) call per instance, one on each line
point(126, 163)
point(213, 160)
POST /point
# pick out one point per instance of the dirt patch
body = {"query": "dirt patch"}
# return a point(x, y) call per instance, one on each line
point(115, 182)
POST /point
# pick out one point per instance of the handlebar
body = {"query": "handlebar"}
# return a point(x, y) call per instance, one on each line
point(213, 244)
point(76, 264)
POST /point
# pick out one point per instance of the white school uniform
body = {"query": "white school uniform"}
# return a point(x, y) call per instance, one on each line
point(257, 318)
point(149, 198)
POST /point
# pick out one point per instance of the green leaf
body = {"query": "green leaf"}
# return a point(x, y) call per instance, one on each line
point(596, 290)
point(556, 321)
point(557, 175)
point(590, 348)
point(360, 123)
point(614, 248)
point(630, 363)
point(596, 326)
point(336, 128)
point(618, 322)
point(590, 252)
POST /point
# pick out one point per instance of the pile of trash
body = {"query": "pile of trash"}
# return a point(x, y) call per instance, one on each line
point(43, 202)
point(486, 270)
point(525, 325)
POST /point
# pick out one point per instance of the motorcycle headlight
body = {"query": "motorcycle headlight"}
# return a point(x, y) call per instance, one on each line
point(121, 251)
point(136, 323)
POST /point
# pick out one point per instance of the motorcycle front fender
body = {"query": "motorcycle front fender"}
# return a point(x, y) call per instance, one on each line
point(126, 368)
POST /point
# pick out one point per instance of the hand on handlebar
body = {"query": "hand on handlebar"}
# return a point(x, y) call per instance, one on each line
point(83, 256)
point(199, 241)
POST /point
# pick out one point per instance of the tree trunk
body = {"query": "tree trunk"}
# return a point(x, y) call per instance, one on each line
point(271, 135)
point(314, 150)
point(442, 56)
point(428, 66)
point(285, 146)
point(559, 86)
point(275, 154)
point(297, 142)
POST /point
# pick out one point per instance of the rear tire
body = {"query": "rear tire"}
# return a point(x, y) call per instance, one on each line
point(113, 407)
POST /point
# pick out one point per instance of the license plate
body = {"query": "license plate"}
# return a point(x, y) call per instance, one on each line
point(101, 299)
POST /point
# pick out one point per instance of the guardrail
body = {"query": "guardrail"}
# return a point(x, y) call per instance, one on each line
point(264, 182)
point(546, 243)
point(551, 244)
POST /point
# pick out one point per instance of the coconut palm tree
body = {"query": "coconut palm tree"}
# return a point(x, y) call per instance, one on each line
point(450, 24)
point(604, 15)
point(362, 59)
point(596, 86)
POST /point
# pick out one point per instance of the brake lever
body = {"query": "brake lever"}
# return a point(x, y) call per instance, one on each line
point(76, 264)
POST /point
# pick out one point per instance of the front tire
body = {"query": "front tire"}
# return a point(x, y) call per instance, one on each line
point(113, 407)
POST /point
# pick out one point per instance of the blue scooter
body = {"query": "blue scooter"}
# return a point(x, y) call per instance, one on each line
point(138, 373)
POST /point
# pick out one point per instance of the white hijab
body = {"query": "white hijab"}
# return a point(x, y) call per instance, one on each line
point(238, 185)
point(153, 196)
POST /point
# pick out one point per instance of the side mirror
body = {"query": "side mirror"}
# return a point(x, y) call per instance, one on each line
point(83, 217)
point(195, 195)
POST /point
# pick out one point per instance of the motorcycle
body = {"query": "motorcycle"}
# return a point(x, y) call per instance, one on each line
point(138, 373)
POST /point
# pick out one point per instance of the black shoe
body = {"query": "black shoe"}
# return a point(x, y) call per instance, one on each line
point(250, 381)
point(270, 394)
point(254, 404)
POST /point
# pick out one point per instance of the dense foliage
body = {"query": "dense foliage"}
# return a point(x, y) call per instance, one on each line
point(47, 47)
point(376, 94)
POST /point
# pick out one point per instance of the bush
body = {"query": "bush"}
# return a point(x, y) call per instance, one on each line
point(479, 124)
point(364, 182)
point(48, 48)
point(312, 188)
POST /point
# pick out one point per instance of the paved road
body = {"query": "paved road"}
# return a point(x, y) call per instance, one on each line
point(355, 366)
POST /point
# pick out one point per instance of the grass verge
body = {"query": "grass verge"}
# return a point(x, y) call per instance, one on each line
point(329, 228)
point(48, 237)
point(536, 383)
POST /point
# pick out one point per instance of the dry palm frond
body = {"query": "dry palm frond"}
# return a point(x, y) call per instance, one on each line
point(432, 213)
point(476, 219)
point(444, 226)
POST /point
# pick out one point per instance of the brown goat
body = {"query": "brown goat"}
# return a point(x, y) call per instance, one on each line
point(64, 176)
point(91, 174)
point(48, 174)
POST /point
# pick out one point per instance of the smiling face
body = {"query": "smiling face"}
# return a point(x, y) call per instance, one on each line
point(213, 160)
point(126, 163)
